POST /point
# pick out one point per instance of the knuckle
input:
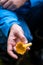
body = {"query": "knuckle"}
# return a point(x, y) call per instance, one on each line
point(11, 1)
point(2, 1)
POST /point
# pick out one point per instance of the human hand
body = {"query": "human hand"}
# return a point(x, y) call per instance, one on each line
point(16, 34)
point(12, 4)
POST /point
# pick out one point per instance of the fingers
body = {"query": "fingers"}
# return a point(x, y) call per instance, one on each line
point(7, 4)
point(12, 4)
point(10, 49)
point(11, 39)
point(18, 31)
point(13, 55)
point(10, 52)
point(3, 2)
point(11, 7)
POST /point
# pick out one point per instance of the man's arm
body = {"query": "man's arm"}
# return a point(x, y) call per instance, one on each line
point(9, 21)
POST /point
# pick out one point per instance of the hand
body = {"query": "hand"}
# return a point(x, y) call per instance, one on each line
point(16, 35)
point(12, 4)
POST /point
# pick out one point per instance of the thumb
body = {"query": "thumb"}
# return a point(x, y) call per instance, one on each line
point(22, 37)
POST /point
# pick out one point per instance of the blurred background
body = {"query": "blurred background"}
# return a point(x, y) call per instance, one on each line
point(34, 19)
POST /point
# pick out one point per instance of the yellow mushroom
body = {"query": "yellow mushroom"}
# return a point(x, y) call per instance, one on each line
point(21, 47)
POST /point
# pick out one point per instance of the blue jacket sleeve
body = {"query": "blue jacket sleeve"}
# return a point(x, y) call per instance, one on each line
point(7, 19)
point(35, 2)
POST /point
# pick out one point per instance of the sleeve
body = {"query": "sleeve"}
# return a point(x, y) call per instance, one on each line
point(35, 2)
point(7, 19)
